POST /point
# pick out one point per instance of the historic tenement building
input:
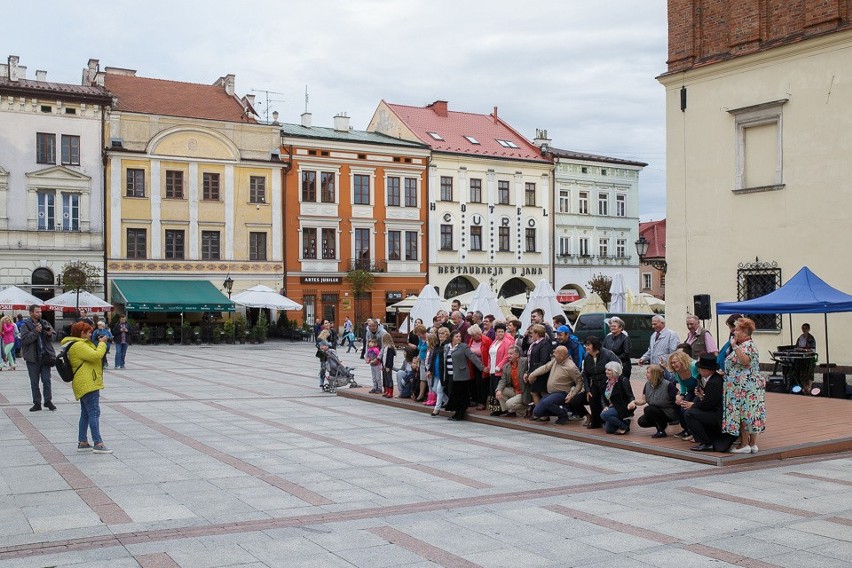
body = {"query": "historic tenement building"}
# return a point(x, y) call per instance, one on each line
point(758, 170)
point(51, 179)
point(193, 186)
point(354, 203)
point(489, 193)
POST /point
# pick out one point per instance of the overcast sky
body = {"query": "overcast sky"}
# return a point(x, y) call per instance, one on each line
point(582, 70)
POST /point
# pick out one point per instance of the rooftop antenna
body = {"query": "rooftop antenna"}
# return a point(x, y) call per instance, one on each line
point(268, 100)
point(306, 98)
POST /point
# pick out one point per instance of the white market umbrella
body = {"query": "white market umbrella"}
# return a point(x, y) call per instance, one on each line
point(593, 304)
point(403, 305)
point(618, 302)
point(657, 305)
point(13, 298)
point(518, 301)
point(261, 296)
point(485, 301)
point(544, 297)
point(74, 299)
point(428, 304)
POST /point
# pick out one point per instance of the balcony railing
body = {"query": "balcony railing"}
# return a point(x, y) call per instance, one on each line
point(370, 265)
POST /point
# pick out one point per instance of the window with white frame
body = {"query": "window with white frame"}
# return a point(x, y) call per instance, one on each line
point(70, 150)
point(584, 246)
point(603, 247)
point(758, 146)
point(257, 189)
point(70, 211)
point(446, 188)
point(411, 192)
point(476, 238)
point(210, 245)
point(583, 203)
point(504, 242)
point(393, 191)
point(361, 189)
point(411, 245)
point(564, 201)
point(446, 237)
point(530, 239)
point(329, 244)
point(529, 194)
point(564, 246)
point(621, 248)
point(46, 211)
point(327, 187)
point(309, 243)
point(257, 246)
point(646, 280)
point(621, 205)
point(394, 245)
point(475, 190)
point(603, 204)
point(503, 192)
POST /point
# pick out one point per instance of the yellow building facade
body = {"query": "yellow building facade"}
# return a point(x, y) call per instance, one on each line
point(193, 184)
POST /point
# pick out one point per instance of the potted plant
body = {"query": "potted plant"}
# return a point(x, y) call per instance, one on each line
point(217, 334)
point(251, 335)
point(262, 328)
point(144, 335)
point(229, 331)
point(185, 333)
point(196, 334)
point(170, 335)
point(240, 329)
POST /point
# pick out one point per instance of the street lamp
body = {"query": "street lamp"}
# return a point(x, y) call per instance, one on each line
point(228, 284)
point(642, 249)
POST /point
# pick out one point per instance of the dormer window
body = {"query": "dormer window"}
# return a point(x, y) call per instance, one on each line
point(436, 136)
point(471, 139)
point(506, 143)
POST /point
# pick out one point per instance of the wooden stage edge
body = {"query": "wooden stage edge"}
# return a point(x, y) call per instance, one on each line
point(807, 440)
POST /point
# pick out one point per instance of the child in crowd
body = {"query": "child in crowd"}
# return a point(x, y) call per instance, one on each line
point(386, 358)
point(349, 337)
point(372, 359)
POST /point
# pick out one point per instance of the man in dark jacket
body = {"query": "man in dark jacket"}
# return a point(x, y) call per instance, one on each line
point(37, 348)
point(703, 415)
point(122, 336)
point(594, 377)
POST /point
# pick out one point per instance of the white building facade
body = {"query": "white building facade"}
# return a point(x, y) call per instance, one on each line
point(489, 193)
point(596, 221)
point(51, 179)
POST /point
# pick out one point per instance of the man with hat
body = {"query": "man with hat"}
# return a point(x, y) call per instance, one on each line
point(571, 342)
point(703, 415)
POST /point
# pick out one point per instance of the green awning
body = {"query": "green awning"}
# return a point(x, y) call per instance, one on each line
point(154, 295)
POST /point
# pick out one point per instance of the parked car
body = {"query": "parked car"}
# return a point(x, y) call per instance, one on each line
point(637, 326)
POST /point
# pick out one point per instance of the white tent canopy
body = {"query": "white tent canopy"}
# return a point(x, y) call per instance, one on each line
point(544, 297)
point(427, 305)
point(261, 296)
point(404, 305)
point(78, 299)
point(618, 292)
point(593, 304)
point(464, 299)
point(13, 298)
point(485, 301)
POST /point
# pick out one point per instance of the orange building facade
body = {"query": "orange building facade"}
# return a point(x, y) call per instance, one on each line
point(353, 201)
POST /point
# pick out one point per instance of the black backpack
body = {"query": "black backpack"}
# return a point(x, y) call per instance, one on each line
point(63, 363)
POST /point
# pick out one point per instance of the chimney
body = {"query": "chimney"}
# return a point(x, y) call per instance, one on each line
point(228, 81)
point(541, 140)
point(250, 99)
point(306, 119)
point(341, 122)
point(120, 71)
point(41, 75)
point(495, 115)
point(90, 72)
point(14, 70)
point(439, 108)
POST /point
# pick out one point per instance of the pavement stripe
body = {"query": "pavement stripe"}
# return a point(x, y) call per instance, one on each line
point(98, 501)
point(296, 490)
point(476, 484)
point(613, 525)
point(479, 443)
point(662, 538)
point(820, 478)
point(752, 502)
point(158, 560)
point(177, 533)
point(421, 548)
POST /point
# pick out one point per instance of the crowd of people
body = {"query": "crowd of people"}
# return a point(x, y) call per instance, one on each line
point(714, 395)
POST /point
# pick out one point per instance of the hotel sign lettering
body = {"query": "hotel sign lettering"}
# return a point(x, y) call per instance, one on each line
point(492, 270)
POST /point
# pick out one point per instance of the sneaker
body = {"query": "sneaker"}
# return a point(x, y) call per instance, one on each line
point(743, 450)
point(754, 449)
point(682, 434)
point(562, 420)
point(49, 406)
point(660, 435)
point(101, 449)
point(35, 408)
point(84, 447)
point(575, 417)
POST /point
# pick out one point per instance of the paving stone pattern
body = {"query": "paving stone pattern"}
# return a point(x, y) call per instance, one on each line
point(232, 456)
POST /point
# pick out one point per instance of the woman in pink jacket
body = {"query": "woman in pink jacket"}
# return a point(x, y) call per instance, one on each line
point(7, 330)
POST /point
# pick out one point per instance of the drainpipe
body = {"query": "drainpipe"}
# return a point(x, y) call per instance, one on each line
point(104, 203)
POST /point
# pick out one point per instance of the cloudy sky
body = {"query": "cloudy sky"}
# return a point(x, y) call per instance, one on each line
point(584, 71)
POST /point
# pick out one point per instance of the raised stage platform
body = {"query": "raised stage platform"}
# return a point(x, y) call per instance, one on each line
point(797, 426)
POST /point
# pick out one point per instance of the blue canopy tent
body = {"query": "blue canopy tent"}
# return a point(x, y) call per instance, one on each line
point(804, 293)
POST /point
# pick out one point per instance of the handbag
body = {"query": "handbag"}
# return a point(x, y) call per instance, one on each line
point(493, 404)
point(47, 359)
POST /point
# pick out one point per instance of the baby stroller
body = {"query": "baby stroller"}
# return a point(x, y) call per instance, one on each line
point(337, 374)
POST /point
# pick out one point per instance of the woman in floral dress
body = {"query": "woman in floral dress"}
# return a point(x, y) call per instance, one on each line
point(745, 389)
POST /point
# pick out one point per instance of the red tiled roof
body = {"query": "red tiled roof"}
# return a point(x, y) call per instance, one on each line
point(453, 126)
point(655, 233)
point(66, 91)
point(173, 98)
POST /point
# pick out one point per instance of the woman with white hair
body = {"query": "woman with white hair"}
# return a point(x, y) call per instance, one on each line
point(618, 394)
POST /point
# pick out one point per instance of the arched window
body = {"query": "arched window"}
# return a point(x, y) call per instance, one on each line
point(42, 277)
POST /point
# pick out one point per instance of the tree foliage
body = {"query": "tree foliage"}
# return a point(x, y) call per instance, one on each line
point(361, 281)
point(601, 284)
point(80, 275)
